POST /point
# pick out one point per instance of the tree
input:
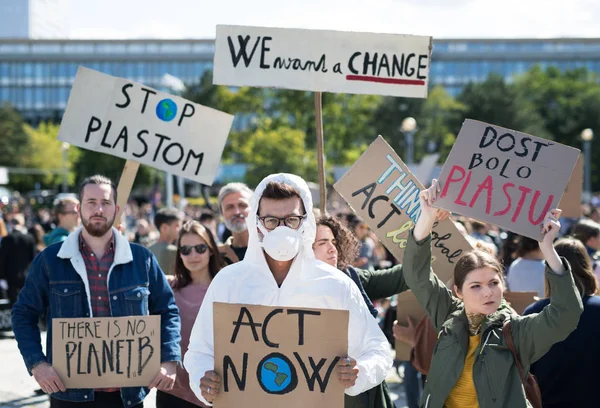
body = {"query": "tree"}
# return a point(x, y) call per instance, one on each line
point(568, 102)
point(496, 102)
point(92, 162)
point(45, 152)
point(439, 114)
point(276, 149)
point(13, 139)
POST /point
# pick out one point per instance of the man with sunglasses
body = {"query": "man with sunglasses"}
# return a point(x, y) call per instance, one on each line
point(280, 269)
point(67, 217)
point(95, 272)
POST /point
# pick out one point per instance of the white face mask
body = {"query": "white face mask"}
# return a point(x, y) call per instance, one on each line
point(282, 244)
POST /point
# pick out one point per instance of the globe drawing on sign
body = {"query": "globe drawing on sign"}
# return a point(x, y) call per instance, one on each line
point(166, 110)
point(276, 374)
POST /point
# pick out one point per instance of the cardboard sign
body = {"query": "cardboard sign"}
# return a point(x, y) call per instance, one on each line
point(323, 61)
point(380, 188)
point(279, 356)
point(507, 178)
point(408, 306)
point(571, 200)
point(520, 300)
point(106, 352)
point(125, 119)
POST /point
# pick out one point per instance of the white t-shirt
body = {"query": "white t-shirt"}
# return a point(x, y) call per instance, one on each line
point(526, 275)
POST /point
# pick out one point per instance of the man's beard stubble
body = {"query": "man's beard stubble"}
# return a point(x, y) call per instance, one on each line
point(97, 230)
point(236, 227)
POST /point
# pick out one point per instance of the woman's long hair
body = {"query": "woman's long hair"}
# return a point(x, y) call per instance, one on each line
point(574, 251)
point(215, 263)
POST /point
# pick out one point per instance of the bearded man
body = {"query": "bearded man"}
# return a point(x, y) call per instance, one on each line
point(234, 203)
point(95, 272)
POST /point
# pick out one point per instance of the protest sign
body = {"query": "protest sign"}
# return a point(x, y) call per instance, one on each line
point(132, 121)
point(380, 188)
point(106, 352)
point(408, 306)
point(323, 61)
point(571, 200)
point(279, 356)
point(520, 300)
point(507, 178)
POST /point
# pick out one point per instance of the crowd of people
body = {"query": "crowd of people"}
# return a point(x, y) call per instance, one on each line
point(270, 247)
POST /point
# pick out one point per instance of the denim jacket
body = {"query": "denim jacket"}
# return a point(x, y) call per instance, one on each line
point(57, 284)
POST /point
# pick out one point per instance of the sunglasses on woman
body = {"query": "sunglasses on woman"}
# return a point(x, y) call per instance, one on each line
point(187, 249)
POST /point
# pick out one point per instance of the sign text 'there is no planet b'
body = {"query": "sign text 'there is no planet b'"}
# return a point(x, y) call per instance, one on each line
point(323, 61)
point(135, 122)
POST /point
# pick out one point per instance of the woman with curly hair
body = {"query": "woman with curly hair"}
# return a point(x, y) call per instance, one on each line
point(338, 246)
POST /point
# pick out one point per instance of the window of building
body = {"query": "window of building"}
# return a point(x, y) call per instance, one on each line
point(14, 49)
point(45, 48)
point(78, 48)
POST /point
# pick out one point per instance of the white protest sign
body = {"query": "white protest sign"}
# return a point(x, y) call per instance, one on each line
point(323, 61)
point(125, 119)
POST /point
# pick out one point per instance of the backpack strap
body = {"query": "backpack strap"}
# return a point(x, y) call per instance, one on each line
point(507, 333)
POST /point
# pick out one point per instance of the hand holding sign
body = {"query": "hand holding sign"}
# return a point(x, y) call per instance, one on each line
point(209, 384)
point(347, 372)
point(425, 222)
point(165, 379)
point(550, 229)
point(47, 378)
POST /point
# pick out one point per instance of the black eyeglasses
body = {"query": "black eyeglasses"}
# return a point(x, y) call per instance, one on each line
point(291, 221)
point(187, 249)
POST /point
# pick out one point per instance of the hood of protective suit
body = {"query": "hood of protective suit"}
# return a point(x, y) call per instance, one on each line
point(308, 229)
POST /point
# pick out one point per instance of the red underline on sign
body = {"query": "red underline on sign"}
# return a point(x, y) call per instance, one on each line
point(385, 80)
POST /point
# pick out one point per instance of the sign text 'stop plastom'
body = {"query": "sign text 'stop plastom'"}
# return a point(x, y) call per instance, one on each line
point(323, 61)
point(135, 122)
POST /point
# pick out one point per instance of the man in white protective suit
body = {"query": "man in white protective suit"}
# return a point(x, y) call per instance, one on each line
point(280, 269)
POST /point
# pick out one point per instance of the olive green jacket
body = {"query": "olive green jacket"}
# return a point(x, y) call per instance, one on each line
point(378, 284)
point(495, 374)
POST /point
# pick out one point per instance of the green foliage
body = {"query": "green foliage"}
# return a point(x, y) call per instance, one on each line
point(495, 101)
point(277, 149)
point(46, 152)
point(92, 163)
point(13, 139)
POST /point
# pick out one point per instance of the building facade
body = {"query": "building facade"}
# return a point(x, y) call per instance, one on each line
point(36, 75)
point(33, 19)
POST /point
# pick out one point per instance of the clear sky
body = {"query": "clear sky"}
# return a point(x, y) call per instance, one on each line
point(438, 18)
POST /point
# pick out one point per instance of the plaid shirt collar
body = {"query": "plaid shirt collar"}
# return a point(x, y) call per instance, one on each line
point(84, 247)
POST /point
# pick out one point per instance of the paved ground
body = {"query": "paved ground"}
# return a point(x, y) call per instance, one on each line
point(16, 386)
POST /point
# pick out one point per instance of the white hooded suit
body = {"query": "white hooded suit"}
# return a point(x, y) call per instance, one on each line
point(309, 283)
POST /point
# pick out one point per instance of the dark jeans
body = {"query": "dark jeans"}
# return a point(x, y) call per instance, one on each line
point(412, 385)
point(166, 400)
point(101, 400)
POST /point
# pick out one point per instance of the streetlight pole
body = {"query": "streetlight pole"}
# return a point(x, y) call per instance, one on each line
point(408, 129)
point(586, 136)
